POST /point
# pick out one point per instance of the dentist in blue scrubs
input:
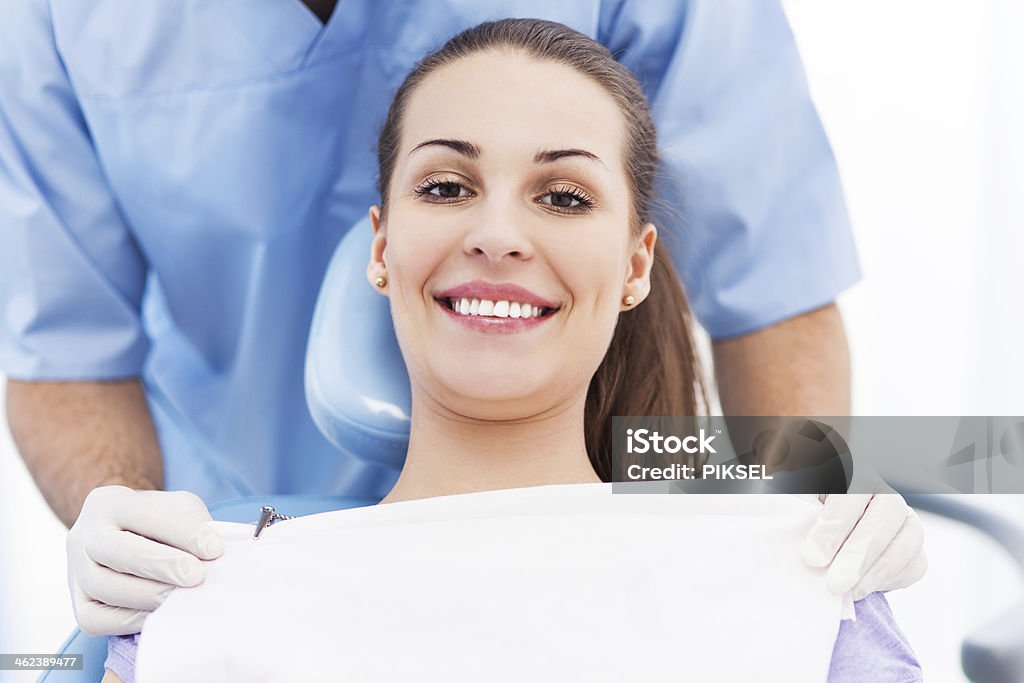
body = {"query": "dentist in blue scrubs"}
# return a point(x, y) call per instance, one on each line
point(174, 176)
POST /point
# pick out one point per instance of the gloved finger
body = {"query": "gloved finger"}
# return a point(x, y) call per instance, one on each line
point(122, 590)
point(912, 573)
point(902, 564)
point(186, 501)
point(874, 532)
point(98, 619)
point(152, 518)
point(131, 554)
point(835, 522)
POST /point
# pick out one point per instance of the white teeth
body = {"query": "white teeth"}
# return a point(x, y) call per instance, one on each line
point(497, 309)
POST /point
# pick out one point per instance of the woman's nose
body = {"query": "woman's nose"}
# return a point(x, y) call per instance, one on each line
point(499, 231)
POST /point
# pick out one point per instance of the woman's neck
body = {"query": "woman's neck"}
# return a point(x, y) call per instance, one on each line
point(450, 454)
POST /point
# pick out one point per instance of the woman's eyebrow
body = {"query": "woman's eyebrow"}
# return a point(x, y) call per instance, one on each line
point(468, 149)
point(550, 156)
point(464, 148)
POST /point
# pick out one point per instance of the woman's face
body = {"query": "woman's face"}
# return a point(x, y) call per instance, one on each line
point(509, 188)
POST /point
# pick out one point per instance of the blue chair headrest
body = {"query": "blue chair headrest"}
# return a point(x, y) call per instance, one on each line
point(357, 386)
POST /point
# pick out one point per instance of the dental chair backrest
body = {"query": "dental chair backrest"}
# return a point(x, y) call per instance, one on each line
point(357, 386)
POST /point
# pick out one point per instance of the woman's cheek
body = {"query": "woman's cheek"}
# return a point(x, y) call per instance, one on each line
point(410, 261)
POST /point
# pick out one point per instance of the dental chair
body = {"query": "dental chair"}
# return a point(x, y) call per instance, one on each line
point(364, 408)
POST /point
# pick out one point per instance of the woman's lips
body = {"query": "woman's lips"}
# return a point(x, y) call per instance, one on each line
point(493, 324)
point(495, 291)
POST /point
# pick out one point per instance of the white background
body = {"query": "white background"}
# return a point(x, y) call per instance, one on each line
point(922, 101)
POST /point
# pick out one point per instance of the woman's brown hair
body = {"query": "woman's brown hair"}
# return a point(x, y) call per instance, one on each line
point(651, 367)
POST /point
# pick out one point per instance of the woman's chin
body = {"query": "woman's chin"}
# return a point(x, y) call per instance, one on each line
point(496, 396)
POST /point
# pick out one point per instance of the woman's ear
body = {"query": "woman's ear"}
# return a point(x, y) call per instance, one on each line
point(641, 261)
point(377, 269)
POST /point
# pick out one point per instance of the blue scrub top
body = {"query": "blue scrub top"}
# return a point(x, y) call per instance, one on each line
point(175, 175)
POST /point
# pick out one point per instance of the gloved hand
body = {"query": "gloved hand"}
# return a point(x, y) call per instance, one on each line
point(869, 542)
point(129, 549)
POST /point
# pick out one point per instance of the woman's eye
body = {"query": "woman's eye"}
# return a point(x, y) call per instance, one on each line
point(565, 200)
point(560, 200)
point(447, 190)
point(444, 191)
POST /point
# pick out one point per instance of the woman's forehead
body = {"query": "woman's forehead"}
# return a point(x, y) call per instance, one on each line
point(510, 103)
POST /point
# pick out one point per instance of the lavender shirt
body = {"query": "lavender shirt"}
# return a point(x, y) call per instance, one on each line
point(872, 648)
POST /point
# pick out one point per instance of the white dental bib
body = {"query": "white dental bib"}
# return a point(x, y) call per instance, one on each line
point(553, 583)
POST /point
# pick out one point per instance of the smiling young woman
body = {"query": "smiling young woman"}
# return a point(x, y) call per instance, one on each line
point(534, 185)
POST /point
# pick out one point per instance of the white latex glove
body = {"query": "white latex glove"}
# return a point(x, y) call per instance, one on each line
point(869, 542)
point(129, 549)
